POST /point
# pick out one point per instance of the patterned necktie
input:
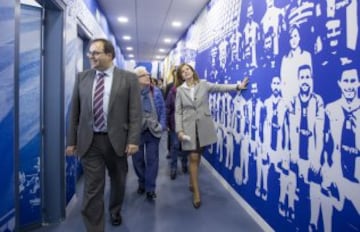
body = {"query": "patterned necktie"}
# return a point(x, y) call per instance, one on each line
point(253, 118)
point(348, 159)
point(274, 128)
point(98, 110)
point(304, 139)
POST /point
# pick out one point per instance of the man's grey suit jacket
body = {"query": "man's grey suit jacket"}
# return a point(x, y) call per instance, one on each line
point(124, 112)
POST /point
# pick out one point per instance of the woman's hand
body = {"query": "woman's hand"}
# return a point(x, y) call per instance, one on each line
point(183, 137)
point(180, 135)
point(243, 84)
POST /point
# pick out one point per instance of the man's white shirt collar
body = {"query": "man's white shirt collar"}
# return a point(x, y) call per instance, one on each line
point(108, 72)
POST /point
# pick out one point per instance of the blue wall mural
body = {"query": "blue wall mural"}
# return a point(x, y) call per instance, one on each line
point(29, 116)
point(290, 144)
point(7, 173)
point(71, 45)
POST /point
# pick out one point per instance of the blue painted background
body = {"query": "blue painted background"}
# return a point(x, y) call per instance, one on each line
point(7, 174)
point(29, 116)
point(299, 175)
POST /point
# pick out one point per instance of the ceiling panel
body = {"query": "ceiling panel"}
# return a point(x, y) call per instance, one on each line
point(149, 23)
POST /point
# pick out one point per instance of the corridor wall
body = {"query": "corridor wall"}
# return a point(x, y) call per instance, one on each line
point(29, 101)
point(13, 141)
point(289, 145)
point(7, 115)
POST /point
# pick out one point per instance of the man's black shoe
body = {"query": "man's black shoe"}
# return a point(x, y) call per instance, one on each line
point(151, 196)
point(140, 190)
point(173, 174)
point(116, 219)
point(185, 169)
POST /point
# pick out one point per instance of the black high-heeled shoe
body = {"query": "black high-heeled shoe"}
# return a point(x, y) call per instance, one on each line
point(196, 204)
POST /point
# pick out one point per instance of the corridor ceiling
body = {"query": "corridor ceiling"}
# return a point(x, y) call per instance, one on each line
point(149, 24)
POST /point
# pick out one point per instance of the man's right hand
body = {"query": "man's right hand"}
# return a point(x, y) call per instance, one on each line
point(70, 150)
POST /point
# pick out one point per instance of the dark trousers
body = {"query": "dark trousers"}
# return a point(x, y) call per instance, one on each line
point(146, 161)
point(101, 155)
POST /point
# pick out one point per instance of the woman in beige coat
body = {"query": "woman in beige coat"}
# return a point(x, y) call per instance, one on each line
point(193, 121)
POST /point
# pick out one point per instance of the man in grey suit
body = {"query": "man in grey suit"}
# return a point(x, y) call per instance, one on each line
point(105, 126)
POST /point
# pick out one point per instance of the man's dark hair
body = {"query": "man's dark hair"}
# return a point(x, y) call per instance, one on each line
point(303, 67)
point(108, 46)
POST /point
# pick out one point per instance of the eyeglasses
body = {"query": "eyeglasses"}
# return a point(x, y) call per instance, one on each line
point(94, 53)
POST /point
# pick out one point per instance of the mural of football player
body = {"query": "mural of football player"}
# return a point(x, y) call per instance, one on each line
point(344, 118)
point(255, 106)
point(245, 148)
point(212, 105)
point(328, 195)
point(251, 39)
point(304, 15)
point(213, 74)
point(228, 101)
point(290, 64)
point(220, 102)
point(271, 24)
point(274, 122)
point(223, 60)
point(213, 110)
point(235, 47)
point(229, 138)
point(238, 125)
point(334, 56)
point(347, 12)
point(306, 121)
point(288, 188)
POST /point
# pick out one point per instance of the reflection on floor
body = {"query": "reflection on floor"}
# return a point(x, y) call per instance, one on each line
point(172, 211)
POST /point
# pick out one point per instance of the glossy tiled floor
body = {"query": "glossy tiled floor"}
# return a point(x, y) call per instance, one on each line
point(172, 211)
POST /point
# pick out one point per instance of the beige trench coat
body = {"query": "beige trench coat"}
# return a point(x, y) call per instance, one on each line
point(195, 113)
